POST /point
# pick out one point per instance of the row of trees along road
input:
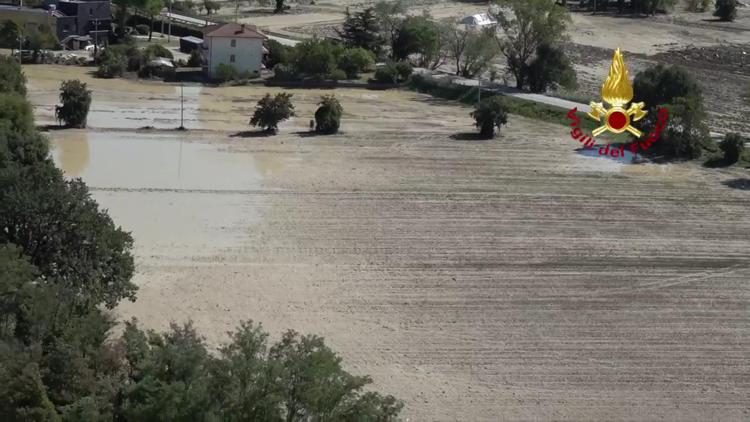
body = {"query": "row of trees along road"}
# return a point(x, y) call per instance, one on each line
point(528, 35)
point(64, 264)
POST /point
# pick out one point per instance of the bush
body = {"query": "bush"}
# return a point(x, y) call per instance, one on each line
point(386, 74)
point(226, 72)
point(550, 69)
point(328, 115)
point(157, 50)
point(75, 99)
point(733, 146)
point(316, 58)
point(404, 70)
point(15, 113)
point(355, 60)
point(285, 72)
point(142, 29)
point(112, 64)
point(726, 10)
point(195, 60)
point(278, 53)
point(488, 114)
point(674, 88)
point(271, 111)
point(11, 76)
point(337, 75)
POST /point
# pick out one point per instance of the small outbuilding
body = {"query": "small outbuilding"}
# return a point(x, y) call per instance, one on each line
point(189, 44)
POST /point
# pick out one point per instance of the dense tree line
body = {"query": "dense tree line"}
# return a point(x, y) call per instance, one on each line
point(64, 264)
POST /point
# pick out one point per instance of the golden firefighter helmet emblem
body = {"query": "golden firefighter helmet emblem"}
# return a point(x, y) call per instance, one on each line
point(618, 92)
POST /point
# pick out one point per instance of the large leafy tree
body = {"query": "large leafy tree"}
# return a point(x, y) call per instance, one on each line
point(11, 76)
point(472, 51)
point(524, 25)
point(419, 35)
point(152, 8)
point(673, 88)
point(328, 115)
point(271, 111)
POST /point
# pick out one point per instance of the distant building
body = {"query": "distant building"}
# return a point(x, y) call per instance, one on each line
point(238, 45)
point(478, 20)
point(66, 18)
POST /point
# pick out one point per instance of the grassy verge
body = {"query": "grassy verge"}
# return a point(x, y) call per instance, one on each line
point(517, 106)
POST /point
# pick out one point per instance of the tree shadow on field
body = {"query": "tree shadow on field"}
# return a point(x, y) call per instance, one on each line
point(50, 128)
point(469, 136)
point(253, 134)
point(311, 134)
point(741, 184)
point(716, 162)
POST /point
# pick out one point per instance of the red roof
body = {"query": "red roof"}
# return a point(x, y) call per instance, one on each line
point(236, 30)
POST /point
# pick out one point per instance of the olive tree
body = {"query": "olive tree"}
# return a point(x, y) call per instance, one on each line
point(328, 115)
point(271, 111)
point(76, 100)
point(489, 114)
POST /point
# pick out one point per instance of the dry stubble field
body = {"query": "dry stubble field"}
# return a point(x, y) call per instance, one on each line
point(512, 279)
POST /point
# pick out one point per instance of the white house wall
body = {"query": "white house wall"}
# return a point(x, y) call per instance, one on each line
point(248, 53)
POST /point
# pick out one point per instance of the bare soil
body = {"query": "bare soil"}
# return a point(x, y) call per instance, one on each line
point(511, 279)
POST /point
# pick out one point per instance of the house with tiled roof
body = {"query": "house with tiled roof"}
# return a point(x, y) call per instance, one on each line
point(238, 45)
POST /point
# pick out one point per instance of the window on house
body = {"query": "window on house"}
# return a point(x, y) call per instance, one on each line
point(231, 58)
point(233, 43)
point(91, 12)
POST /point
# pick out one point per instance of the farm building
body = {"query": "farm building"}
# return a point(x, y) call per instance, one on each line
point(238, 45)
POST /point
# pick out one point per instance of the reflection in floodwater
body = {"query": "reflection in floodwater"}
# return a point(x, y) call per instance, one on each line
point(73, 152)
point(154, 161)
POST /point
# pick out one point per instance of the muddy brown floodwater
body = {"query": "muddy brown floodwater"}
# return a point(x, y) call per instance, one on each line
point(512, 279)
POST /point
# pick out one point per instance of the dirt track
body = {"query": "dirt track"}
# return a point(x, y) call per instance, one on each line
point(512, 279)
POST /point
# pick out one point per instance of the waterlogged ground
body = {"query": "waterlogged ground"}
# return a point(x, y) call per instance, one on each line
point(513, 279)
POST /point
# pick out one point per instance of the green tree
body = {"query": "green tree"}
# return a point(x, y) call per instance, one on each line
point(279, 6)
point(11, 76)
point(211, 6)
point(316, 58)
point(673, 88)
point(157, 50)
point(314, 386)
point(472, 51)
point(278, 53)
point(362, 30)
point(271, 111)
point(9, 34)
point(328, 115)
point(390, 14)
point(226, 72)
point(733, 146)
point(167, 375)
point(489, 114)
point(726, 10)
point(76, 100)
point(550, 69)
point(355, 60)
point(524, 26)
point(123, 12)
point(195, 59)
point(15, 113)
point(112, 64)
point(152, 8)
point(41, 39)
point(419, 35)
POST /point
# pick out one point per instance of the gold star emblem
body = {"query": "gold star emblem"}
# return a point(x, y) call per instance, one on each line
point(618, 92)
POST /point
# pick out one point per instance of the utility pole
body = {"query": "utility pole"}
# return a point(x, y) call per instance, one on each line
point(182, 106)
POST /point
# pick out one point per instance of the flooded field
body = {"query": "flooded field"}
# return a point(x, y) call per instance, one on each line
point(513, 279)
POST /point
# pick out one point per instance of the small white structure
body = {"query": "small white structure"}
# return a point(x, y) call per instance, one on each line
point(480, 19)
point(238, 45)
